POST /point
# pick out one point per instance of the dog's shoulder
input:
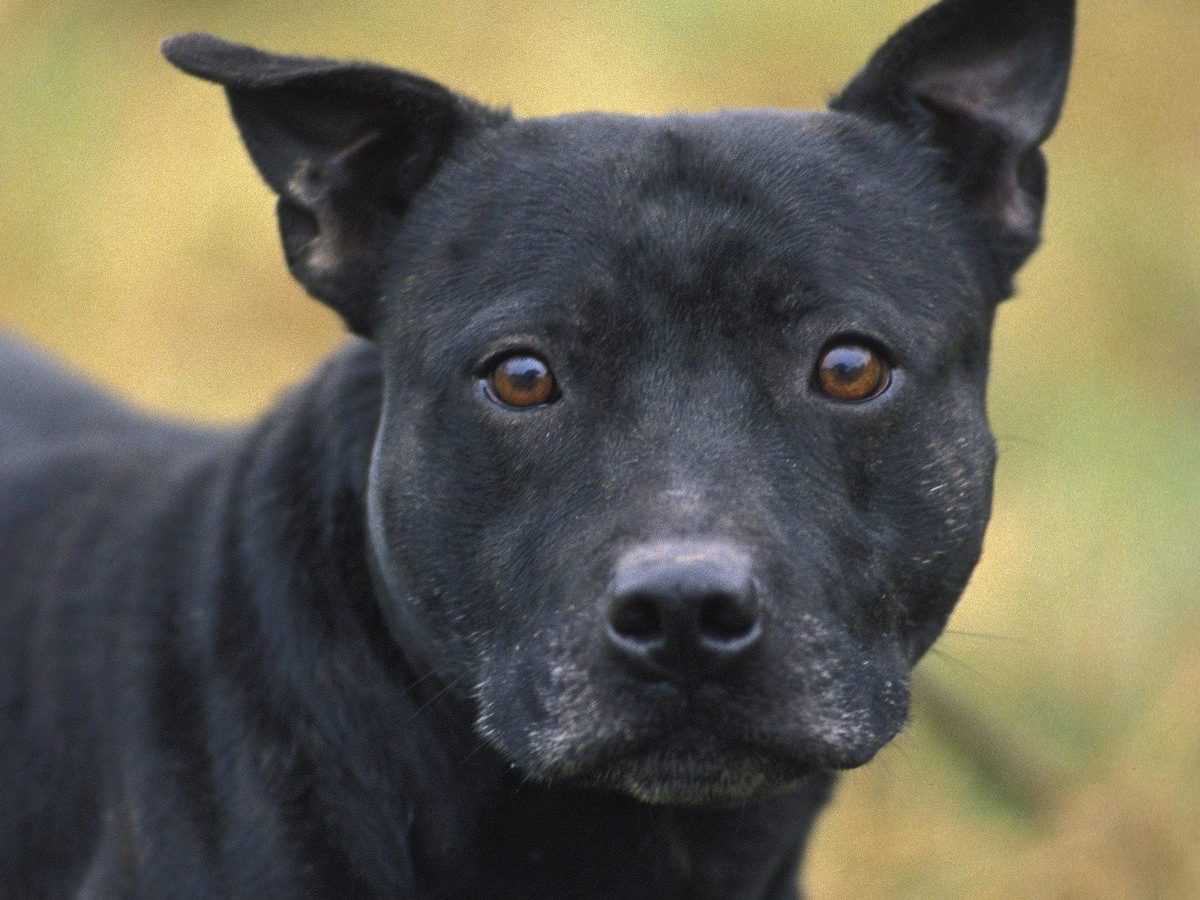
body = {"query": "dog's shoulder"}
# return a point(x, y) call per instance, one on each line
point(42, 401)
point(86, 477)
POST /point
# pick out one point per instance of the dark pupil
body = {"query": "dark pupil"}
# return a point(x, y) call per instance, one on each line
point(848, 365)
point(524, 373)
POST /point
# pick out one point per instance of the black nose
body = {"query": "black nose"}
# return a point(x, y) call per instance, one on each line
point(683, 613)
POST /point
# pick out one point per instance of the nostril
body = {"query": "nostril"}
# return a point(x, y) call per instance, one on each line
point(637, 618)
point(684, 613)
point(725, 618)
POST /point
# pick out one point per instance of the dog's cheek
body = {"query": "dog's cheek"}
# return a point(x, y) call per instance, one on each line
point(470, 505)
point(540, 695)
point(541, 560)
point(539, 700)
point(427, 492)
point(938, 487)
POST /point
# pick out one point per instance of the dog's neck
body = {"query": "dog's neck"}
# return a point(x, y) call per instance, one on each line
point(413, 799)
point(559, 842)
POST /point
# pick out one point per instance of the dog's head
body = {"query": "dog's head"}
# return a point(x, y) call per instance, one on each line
point(683, 458)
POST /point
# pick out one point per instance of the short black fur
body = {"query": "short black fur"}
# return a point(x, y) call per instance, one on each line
point(401, 640)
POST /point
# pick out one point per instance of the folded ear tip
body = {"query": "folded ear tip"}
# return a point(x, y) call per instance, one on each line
point(181, 48)
point(203, 55)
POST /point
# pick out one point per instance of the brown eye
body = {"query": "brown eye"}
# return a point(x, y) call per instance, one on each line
point(522, 381)
point(852, 372)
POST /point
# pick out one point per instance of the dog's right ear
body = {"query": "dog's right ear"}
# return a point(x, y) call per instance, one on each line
point(344, 145)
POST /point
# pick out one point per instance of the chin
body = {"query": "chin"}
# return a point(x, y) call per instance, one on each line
point(690, 758)
point(689, 778)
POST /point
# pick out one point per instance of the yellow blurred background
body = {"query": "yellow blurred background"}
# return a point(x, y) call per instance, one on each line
point(1054, 750)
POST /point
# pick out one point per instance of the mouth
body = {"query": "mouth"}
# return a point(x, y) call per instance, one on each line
point(687, 764)
point(756, 732)
point(705, 777)
point(715, 758)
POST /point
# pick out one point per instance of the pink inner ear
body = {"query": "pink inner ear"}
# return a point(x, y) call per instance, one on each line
point(1001, 91)
point(1008, 203)
point(1004, 93)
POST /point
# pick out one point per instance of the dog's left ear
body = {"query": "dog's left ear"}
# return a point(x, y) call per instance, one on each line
point(983, 81)
point(344, 145)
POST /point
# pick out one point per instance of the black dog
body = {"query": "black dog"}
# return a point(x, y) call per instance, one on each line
point(659, 461)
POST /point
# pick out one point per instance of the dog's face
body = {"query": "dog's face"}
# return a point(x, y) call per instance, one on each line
point(683, 459)
point(707, 351)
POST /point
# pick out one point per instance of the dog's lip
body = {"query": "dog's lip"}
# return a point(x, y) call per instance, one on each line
point(708, 751)
point(730, 772)
point(689, 748)
point(708, 761)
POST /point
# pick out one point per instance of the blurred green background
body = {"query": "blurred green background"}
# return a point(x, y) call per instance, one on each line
point(1055, 745)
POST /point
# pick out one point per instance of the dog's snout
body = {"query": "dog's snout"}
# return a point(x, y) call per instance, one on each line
point(683, 614)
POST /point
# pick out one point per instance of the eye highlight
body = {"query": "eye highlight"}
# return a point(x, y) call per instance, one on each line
point(851, 372)
point(522, 381)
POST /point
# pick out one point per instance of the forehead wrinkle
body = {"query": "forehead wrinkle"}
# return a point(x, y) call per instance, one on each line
point(514, 312)
point(678, 220)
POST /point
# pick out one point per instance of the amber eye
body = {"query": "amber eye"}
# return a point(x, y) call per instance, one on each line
point(852, 372)
point(522, 381)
